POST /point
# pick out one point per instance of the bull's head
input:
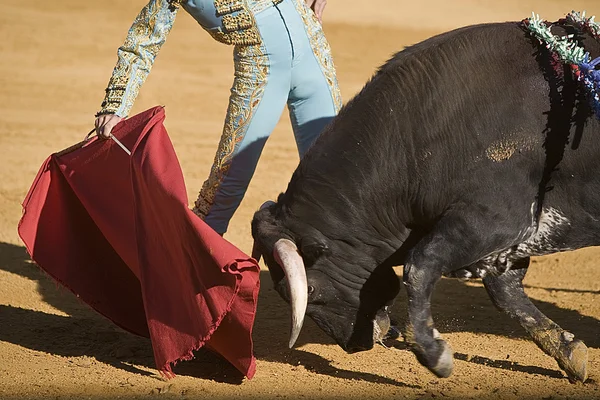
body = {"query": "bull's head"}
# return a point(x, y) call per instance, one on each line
point(324, 279)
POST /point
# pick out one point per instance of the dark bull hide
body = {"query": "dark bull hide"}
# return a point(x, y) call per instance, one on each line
point(463, 156)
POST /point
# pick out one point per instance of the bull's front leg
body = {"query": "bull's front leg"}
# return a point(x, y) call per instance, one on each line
point(420, 276)
point(508, 295)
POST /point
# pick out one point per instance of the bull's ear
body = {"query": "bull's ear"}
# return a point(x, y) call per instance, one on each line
point(312, 250)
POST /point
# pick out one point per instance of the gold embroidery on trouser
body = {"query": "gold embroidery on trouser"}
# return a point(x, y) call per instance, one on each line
point(257, 6)
point(251, 73)
point(321, 49)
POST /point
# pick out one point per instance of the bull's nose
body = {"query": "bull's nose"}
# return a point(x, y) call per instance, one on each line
point(355, 348)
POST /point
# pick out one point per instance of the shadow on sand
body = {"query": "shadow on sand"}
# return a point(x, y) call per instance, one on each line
point(82, 332)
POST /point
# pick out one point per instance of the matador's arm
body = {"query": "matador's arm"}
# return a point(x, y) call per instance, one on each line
point(136, 56)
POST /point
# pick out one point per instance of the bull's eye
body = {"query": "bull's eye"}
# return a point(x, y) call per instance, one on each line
point(311, 289)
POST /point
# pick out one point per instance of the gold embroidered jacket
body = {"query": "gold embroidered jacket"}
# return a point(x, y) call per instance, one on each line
point(228, 21)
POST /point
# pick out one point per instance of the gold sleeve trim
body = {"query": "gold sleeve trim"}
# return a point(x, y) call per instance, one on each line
point(137, 54)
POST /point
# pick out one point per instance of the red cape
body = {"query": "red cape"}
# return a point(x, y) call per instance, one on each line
point(117, 231)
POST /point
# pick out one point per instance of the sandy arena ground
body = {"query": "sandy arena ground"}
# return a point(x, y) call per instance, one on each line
point(55, 60)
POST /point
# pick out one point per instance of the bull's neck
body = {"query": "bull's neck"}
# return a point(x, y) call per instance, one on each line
point(348, 211)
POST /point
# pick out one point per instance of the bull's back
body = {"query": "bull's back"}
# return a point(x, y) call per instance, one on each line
point(517, 131)
point(482, 109)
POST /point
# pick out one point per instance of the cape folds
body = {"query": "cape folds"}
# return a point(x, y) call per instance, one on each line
point(116, 230)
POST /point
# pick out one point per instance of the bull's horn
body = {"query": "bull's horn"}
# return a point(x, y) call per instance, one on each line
point(255, 251)
point(286, 254)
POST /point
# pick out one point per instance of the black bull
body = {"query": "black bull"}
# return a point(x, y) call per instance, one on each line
point(463, 156)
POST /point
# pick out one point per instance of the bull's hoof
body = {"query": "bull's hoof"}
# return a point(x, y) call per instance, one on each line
point(439, 359)
point(573, 358)
point(445, 363)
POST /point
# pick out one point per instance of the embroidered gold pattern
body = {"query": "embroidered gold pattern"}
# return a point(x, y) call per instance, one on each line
point(174, 4)
point(321, 49)
point(246, 37)
point(257, 6)
point(136, 56)
point(251, 74)
point(237, 22)
point(239, 25)
point(148, 33)
point(228, 6)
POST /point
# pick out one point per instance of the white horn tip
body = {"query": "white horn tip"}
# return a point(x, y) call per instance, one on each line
point(295, 333)
point(292, 342)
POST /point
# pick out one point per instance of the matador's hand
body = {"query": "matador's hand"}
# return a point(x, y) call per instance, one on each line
point(105, 124)
point(317, 6)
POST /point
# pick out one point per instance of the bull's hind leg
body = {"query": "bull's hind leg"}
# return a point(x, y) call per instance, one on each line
point(508, 295)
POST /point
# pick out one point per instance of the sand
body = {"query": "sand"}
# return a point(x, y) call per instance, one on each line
point(55, 60)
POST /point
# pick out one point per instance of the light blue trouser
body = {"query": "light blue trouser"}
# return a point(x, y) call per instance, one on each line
point(293, 65)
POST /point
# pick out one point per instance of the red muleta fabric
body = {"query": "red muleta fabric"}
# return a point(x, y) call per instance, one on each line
point(117, 231)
